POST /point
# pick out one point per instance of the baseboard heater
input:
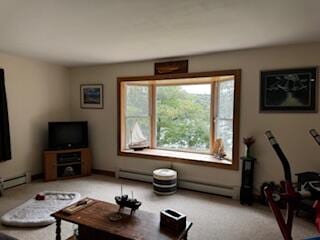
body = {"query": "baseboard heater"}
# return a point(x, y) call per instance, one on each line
point(227, 191)
point(16, 181)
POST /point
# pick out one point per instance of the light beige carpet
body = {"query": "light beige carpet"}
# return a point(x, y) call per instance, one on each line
point(214, 217)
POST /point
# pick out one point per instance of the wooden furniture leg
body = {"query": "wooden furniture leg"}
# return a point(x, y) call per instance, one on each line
point(58, 229)
point(184, 234)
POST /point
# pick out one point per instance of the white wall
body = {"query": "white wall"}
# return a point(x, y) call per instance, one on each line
point(37, 92)
point(291, 129)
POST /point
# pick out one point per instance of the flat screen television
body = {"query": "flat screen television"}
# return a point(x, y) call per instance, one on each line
point(67, 135)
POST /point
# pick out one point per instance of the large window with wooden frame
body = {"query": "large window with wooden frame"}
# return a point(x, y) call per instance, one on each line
point(190, 118)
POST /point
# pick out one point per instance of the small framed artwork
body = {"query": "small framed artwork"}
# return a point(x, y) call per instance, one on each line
point(291, 90)
point(91, 96)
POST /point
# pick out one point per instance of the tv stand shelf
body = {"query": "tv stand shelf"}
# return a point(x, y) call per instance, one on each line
point(69, 163)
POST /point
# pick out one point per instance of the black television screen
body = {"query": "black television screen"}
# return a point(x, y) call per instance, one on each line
point(63, 135)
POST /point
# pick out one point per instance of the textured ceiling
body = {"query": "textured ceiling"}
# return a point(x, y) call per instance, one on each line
point(86, 32)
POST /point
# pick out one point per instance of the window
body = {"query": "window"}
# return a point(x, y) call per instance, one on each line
point(224, 117)
point(182, 119)
point(137, 111)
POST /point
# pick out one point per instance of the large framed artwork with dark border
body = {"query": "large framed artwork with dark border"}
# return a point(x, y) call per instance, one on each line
point(290, 90)
point(91, 96)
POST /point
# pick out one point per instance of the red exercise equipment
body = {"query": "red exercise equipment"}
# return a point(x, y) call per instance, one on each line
point(290, 196)
point(316, 205)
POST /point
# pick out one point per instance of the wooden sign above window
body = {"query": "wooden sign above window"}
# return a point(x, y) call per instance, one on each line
point(171, 67)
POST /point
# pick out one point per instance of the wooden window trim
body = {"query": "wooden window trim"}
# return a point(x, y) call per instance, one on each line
point(179, 158)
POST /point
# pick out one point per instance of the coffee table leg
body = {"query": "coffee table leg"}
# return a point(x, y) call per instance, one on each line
point(185, 236)
point(58, 229)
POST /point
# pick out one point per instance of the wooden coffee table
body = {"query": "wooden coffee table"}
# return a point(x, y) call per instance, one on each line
point(94, 223)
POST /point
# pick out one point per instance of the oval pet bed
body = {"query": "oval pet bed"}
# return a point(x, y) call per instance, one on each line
point(36, 213)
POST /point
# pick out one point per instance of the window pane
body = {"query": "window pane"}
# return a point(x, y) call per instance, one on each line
point(225, 99)
point(224, 130)
point(144, 124)
point(224, 120)
point(183, 117)
point(137, 101)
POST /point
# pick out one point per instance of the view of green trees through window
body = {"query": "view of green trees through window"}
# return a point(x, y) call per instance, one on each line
point(183, 117)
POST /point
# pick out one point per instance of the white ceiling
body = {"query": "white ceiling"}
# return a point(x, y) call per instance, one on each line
point(85, 32)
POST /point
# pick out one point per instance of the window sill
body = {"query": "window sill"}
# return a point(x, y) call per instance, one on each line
point(183, 157)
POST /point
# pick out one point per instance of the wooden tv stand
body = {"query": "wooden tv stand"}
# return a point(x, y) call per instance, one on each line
point(70, 163)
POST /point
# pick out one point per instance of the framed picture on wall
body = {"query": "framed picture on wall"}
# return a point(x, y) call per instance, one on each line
point(91, 96)
point(291, 90)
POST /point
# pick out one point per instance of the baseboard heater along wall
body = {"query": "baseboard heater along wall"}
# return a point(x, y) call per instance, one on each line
point(16, 181)
point(227, 191)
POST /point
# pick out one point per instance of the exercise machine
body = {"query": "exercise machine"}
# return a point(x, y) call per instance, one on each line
point(309, 183)
point(315, 135)
point(290, 196)
point(315, 186)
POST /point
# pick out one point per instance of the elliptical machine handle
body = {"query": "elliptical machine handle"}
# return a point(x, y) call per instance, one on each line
point(282, 157)
point(315, 135)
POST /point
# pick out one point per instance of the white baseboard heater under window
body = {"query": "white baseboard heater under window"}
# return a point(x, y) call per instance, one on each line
point(228, 191)
point(16, 181)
